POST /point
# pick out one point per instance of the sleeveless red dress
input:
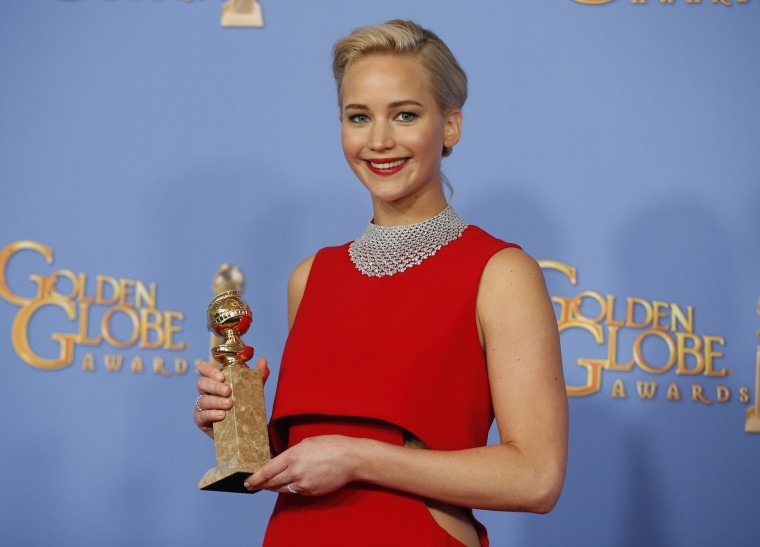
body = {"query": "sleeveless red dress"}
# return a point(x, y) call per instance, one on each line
point(370, 357)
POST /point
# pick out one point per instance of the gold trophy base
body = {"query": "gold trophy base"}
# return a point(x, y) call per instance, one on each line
point(241, 439)
point(752, 425)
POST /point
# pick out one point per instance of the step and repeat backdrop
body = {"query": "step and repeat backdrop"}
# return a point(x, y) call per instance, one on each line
point(148, 145)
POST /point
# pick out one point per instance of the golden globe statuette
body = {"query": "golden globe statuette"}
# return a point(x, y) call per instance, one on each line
point(752, 423)
point(242, 13)
point(240, 439)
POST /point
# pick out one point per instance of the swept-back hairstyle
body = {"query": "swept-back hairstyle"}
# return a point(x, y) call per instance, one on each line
point(446, 79)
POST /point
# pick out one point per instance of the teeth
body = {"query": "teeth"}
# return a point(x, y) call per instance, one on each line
point(390, 165)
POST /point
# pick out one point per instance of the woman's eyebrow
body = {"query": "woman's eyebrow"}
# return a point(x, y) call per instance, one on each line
point(394, 104)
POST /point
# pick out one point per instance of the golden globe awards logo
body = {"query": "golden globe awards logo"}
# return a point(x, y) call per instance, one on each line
point(104, 310)
point(689, 365)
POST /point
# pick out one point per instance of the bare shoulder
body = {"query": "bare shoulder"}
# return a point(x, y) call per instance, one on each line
point(300, 274)
point(513, 302)
point(511, 270)
point(297, 286)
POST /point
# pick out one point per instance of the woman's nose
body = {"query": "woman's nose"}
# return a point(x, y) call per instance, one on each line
point(381, 137)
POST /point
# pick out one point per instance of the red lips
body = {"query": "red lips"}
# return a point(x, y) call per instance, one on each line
point(386, 166)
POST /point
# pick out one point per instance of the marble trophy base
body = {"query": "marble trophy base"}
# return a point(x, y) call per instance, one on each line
point(752, 424)
point(241, 439)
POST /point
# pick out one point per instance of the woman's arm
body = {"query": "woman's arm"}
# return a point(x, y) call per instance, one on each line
point(296, 287)
point(524, 472)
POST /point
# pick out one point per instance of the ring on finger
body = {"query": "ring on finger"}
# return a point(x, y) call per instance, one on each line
point(198, 403)
point(290, 489)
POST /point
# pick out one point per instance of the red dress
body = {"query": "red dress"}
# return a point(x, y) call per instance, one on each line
point(370, 357)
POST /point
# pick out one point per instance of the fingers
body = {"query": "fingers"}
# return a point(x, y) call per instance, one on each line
point(213, 387)
point(263, 367)
point(210, 370)
point(286, 488)
point(211, 381)
point(270, 477)
point(208, 410)
point(213, 399)
point(215, 406)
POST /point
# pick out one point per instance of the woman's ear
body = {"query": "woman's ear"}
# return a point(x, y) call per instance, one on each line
point(452, 128)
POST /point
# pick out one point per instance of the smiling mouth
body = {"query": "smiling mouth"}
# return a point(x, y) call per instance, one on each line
point(387, 167)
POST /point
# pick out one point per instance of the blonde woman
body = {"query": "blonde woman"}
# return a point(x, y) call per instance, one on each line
point(406, 343)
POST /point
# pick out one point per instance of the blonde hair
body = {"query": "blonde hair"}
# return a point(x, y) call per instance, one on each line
point(447, 80)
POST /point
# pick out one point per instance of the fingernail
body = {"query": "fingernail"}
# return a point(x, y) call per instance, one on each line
point(247, 486)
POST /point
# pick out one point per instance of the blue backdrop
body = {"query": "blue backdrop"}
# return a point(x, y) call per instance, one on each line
point(142, 145)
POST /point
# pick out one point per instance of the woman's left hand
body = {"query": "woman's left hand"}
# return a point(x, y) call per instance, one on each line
point(314, 467)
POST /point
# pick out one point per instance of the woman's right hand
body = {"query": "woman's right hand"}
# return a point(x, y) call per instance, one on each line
point(214, 396)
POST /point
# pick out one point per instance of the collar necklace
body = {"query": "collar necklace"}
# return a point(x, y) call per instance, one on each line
point(388, 250)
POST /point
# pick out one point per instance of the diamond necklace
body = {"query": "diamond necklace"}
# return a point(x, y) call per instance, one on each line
point(388, 250)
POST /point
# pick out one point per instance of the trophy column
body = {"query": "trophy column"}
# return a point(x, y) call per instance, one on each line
point(241, 439)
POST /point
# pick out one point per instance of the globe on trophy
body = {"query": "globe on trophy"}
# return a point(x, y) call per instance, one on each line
point(240, 439)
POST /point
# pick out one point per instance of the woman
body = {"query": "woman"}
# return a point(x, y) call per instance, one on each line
point(405, 344)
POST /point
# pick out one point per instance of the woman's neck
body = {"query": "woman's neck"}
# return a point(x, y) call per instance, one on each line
point(410, 211)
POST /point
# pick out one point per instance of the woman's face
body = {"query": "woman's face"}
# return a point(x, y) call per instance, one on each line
point(392, 131)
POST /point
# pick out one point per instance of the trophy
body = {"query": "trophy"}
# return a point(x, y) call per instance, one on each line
point(242, 13)
point(752, 424)
point(240, 439)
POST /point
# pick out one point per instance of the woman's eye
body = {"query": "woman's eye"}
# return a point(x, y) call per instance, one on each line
point(407, 116)
point(359, 118)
